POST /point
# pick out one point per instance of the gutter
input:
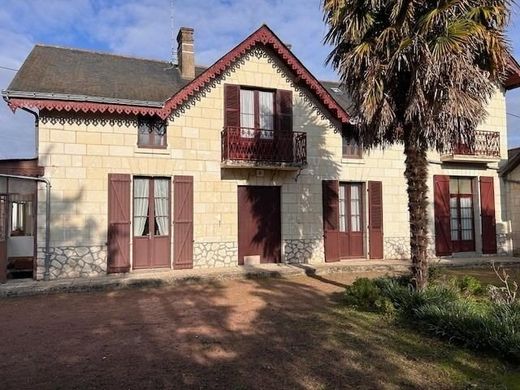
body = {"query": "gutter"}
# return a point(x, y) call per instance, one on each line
point(47, 217)
point(79, 98)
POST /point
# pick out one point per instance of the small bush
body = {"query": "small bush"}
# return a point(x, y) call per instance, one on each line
point(363, 294)
point(469, 285)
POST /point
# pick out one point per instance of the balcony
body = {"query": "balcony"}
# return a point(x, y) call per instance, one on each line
point(251, 148)
point(485, 148)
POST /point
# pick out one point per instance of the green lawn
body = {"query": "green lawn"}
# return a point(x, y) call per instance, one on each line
point(485, 274)
point(422, 361)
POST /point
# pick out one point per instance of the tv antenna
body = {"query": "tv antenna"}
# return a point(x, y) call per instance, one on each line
point(173, 59)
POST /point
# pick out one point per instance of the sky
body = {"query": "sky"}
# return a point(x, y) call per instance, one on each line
point(143, 28)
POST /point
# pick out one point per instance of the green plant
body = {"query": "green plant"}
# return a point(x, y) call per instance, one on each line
point(469, 285)
point(363, 294)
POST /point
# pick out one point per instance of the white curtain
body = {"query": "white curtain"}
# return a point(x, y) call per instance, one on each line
point(466, 211)
point(141, 190)
point(161, 197)
point(341, 200)
point(266, 100)
point(355, 218)
point(247, 113)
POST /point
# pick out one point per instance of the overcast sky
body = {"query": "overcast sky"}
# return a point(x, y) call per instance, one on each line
point(143, 28)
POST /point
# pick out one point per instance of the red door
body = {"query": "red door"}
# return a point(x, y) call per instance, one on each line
point(151, 223)
point(118, 223)
point(3, 238)
point(259, 223)
point(331, 234)
point(183, 222)
point(462, 215)
point(350, 220)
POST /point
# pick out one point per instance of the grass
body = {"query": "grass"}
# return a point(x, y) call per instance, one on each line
point(485, 274)
point(423, 361)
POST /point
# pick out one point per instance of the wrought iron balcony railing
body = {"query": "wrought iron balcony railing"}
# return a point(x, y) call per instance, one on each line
point(242, 146)
point(483, 144)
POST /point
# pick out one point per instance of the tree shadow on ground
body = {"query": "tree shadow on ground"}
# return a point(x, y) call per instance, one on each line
point(258, 333)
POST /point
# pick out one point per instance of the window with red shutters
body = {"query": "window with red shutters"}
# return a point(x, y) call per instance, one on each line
point(441, 198)
point(183, 222)
point(487, 206)
point(118, 223)
point(331, 234)
point(375, 219)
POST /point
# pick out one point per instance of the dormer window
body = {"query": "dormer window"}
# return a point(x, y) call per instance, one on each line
point(151, 132)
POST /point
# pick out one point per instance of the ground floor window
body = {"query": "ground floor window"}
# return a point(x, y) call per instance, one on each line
point(21, 215)
point(350, 207)
point(462, 214)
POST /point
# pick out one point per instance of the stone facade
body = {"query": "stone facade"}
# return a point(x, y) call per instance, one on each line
point(304, 251)
point(215, 254)
point(78, 153)
point(396, 248)
point(76, 261)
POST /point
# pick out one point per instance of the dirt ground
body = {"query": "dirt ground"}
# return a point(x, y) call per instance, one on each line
point(265, 334)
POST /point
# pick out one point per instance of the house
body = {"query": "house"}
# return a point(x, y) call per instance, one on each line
point(510, 173)
point(154, 165)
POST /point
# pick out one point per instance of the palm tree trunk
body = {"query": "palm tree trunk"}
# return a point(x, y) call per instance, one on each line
point(416, 173)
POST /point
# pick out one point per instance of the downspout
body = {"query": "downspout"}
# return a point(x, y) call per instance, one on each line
point(36, 128)
point(47, 217)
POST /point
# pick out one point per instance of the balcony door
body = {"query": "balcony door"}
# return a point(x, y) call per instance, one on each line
point(257, 124)
point(151, 222)
point(462, 213)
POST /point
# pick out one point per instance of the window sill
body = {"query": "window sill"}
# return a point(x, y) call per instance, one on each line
point(356, 161)
point(159, 152)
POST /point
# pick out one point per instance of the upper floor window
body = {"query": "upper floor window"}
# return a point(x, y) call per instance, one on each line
point(151, 132)
point(256, 112)
point(351, 149)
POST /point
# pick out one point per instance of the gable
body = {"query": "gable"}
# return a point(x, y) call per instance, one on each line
point(71, 101)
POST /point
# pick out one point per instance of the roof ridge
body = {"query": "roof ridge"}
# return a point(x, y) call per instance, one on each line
point(100, 52)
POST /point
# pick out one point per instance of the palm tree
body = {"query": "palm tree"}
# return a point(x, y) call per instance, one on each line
point(420, 73)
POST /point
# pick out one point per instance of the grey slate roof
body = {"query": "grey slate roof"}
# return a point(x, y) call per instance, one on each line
point(91, 76)
point(50, 69)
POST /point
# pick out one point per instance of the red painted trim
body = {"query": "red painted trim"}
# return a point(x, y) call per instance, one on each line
point(64, 105)
point(513, 77)
point(266, 37)
point(261, 36)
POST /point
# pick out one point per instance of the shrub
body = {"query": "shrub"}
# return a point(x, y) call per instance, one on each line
point(469, 285)
point(444, 310)
point(363, 294)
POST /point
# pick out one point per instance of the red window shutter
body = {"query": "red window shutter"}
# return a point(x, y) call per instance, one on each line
point(3, 238)
point(118, 239)
point(441, 198)
point(331, 219)
point(487, 207)
point(231, 105)
point(183, 222)
point(284, 110)
point(375, 219)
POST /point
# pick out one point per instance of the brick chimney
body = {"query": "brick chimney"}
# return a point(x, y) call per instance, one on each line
point(185, 53)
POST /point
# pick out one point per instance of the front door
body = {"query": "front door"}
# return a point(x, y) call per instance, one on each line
point(350, 220)
point(3, 238)
point(151, 223)
point(462, 215)
point(259, 224)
